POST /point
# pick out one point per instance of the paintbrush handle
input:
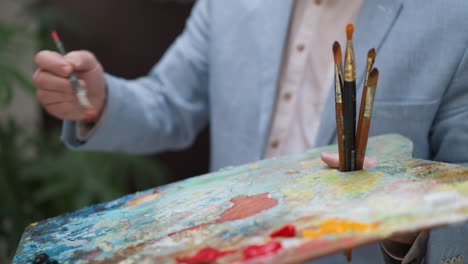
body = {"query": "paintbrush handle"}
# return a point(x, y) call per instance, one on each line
point(363, 129)
point(361, 143)
point(340, 136)
point(361, 112)
point(349, 115)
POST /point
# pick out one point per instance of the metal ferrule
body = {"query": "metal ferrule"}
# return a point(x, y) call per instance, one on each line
point(338, 84)
point(369, 101)
point(350, 67)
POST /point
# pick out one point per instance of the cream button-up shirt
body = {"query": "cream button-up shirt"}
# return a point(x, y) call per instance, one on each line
point(307, 72)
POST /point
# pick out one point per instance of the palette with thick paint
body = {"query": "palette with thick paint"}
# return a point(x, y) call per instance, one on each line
point(286, 209)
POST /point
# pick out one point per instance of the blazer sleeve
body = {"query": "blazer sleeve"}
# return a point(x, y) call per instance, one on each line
point(163, 110)
point(449, 139)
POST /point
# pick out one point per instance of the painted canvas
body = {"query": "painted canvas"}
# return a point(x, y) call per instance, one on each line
point(286, 209)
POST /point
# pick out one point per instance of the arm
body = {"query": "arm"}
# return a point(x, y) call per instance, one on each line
point(163, 110)
point(449, 141)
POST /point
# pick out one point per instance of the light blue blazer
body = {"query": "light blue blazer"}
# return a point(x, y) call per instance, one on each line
point(223, 70)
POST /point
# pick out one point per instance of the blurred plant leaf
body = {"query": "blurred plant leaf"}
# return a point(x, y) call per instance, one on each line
point(10, 50)
point(8, 77)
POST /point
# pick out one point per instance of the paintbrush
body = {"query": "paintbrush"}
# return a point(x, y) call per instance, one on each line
point(89, 114)
point(370, 63)
point(348, 254)
point(349, 101)
point(339, 105)
point(366, 118)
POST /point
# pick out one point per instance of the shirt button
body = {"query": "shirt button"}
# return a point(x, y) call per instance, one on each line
point(274, 144)
point(300, 47)
point(287, 96)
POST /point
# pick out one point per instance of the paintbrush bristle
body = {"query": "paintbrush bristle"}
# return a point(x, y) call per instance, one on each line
point(371, 54)
point(349, 31)
point(337, 52)
point(373, 77)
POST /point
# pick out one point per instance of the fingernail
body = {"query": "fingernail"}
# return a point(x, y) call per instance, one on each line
point(67, 69)
point(36, 73)
point(72, 60)
point(370, 162)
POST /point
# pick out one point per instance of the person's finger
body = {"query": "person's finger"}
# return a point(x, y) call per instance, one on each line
point(331, 159)
point(53, 62)
point(65, 110)
point(48, 81)
point(82, 60)
point(47, 97)
point(369, 163)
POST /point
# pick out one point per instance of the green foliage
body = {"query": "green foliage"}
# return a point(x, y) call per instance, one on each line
point(40, 178)
point(10, 50)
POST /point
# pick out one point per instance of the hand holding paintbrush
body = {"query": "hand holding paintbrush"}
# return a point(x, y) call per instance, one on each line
point(89, 113)
point(61, 81)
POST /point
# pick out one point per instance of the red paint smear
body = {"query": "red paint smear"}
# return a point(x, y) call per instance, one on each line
point(207, 255)
point(254, 251)
point(244, 206)
point(288, 230)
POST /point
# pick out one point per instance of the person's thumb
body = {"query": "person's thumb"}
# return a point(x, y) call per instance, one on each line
point(333, 160)
point(82, 60)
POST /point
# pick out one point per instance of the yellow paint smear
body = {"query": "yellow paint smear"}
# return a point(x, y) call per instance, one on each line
point(254, 165)
point(337, 226)
point(142, 199)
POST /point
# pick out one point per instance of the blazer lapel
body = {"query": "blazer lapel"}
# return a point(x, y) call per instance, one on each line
point(271, 26)
point(375, 20)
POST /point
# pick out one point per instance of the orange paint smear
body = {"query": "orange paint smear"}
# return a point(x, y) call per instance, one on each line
point(244, 206)
point(337, 226)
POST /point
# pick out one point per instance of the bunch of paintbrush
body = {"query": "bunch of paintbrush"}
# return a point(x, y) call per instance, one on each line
point(351, 144)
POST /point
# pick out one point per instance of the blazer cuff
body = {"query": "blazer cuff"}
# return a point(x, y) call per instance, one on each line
point(84, 130)
point(407, 254)
point(76, 135)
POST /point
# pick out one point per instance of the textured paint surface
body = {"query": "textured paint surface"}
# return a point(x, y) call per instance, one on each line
point(220, 216)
